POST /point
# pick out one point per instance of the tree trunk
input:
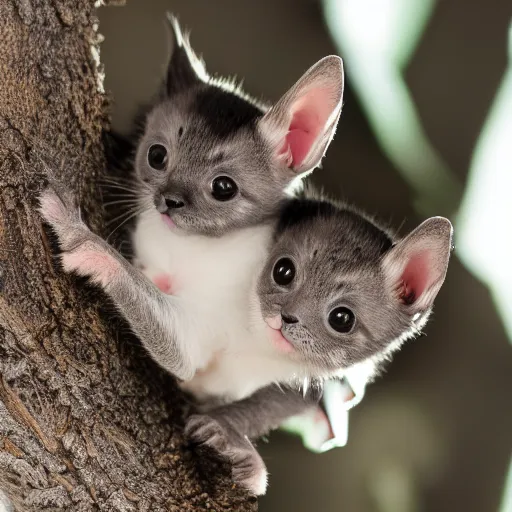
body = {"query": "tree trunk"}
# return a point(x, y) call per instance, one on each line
point(87, 421)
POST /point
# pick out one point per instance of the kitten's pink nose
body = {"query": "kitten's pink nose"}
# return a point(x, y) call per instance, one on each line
point(275, 322)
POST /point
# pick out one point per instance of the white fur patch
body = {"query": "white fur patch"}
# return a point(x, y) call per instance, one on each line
point(258, 482)
point(226, 336)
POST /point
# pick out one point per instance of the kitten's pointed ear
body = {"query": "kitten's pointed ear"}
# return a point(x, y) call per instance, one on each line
point(416, 266)
point(185, 69)
point(302, 123)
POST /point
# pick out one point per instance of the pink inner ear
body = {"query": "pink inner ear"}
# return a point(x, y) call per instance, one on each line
point(310, 114)
point(415, 278)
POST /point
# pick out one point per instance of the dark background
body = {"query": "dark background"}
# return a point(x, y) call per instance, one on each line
point(434, 433)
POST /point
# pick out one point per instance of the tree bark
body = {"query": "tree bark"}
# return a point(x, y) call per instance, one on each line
point(87, 421)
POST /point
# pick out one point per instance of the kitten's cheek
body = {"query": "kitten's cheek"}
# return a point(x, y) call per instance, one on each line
point(279, 341)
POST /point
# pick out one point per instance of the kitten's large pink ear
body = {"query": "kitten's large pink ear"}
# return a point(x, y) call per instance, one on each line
point(416, 267)
point(302, 123)
point(185, 69)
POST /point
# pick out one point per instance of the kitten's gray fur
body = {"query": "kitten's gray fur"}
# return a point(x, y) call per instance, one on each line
point(342, 257)
point(212, 128)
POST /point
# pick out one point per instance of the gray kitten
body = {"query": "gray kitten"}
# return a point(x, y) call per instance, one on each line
point(331, 294)
point(232, 258)
point(342, 294)
point(213, 159)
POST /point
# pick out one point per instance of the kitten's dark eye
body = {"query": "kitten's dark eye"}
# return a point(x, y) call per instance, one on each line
point(341, 320)
point(157, 157)
point(284, 272)
point(223, 188)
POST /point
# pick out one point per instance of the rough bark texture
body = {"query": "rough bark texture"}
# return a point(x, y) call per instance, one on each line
point(87, 421)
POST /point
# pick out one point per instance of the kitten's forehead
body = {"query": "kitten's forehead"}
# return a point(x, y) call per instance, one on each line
point(210, 110)
point(225, 113)
point(337, 249)
point(333, 235)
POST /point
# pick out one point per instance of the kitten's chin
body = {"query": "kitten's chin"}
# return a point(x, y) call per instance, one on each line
point(168, 221)
point(171, 224)
point(279, 341)
point(183, 225)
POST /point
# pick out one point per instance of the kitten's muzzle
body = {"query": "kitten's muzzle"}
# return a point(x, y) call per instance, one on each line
point(164, 204)
point(275, 325)
point(173, 204)
point(289, 319)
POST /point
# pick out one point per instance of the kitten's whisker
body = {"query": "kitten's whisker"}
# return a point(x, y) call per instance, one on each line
point(115, 179)
point(122, 215)
point(137, 212)
point(120, 187)
point(124, 196)
point(120, 201)
point(111, 181)
point(135, 190)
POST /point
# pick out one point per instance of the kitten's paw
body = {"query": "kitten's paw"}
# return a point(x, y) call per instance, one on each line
point(57, 210)
point(83, 252)
point(248, 468)
point(52, 208)
point(203, 429)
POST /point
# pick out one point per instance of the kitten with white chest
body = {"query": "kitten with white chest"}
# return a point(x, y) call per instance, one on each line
point(339, 294)
point(330, 292)
point(213, 165)
point(252, 288)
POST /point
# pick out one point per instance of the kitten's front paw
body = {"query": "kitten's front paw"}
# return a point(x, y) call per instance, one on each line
point(58, 214)
point(248, 468)
point(83, 252)
point(203, 429)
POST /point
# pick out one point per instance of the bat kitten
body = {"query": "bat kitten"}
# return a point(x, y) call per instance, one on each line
point(327, 291)
point(231, 257)
point(209, 164)
point(212, 159)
